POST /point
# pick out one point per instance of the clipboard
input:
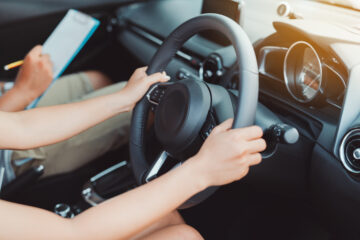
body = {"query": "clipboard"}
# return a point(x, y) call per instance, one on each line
point(66, 41)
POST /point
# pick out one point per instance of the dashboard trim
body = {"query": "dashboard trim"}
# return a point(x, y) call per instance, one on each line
point(157, 41)
point(263, 53)
point(350, 109)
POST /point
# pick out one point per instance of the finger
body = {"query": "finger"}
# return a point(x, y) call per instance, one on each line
point(36, 51)
point(142, 69)
point(248, 133)
point(158, 77)
point(256, 146)
point(243, 173)
point(46, 57)
point(46, 61)
point(224, 126)
point(254, 159)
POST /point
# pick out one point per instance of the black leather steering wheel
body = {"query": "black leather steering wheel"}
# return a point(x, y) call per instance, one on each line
point(186, 111)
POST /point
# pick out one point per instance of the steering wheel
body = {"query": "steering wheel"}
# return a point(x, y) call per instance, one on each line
point(187, 110)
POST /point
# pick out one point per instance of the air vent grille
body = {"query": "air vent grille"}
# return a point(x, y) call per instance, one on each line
point(350, 151)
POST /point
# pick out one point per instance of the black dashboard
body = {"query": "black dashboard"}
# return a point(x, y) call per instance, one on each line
point(308, 78)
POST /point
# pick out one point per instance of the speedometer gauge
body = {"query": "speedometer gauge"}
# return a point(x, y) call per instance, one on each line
point(303, 72)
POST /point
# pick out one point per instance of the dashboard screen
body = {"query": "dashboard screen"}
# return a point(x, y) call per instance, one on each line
point(229, 8)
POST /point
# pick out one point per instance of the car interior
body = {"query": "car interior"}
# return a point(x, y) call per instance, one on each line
point(292, 65)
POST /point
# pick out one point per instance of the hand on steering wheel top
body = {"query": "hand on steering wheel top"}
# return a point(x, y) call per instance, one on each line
point(140, 82)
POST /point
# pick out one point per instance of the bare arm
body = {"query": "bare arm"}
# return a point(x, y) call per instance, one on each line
point(48, 125)
point(44, 126)
point(116, 219)
point(225, 157)
point(14, 100)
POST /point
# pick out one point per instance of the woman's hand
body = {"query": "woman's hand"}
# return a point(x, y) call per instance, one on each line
point(35, 75)
point(227, 154)
point(140, 82)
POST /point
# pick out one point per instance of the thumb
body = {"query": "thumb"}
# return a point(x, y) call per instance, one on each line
point(36, 50)
point(158, 77)
point(224, 126)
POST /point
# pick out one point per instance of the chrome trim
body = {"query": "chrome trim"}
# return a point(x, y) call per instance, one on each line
point(342, 81)
point(264, 51)
point(148, 95)
point(107, 171)
point(201, 71)
point(287, 7)
point(40, 168)
point(146, 35)
point(90, 196)
point(345, 163)
point(88, 193)
point(356, 154)
point(285, 71)
point(184, 55)
point(336, 73)
point(329, 101)
point(66, 213)
point(156, 166)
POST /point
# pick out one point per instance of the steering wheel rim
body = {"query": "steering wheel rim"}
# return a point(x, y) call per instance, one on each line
point(248, 84)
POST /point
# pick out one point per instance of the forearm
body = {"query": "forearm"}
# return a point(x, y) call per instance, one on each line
point(129, 213)
point(15, 100)
point(48, 125)
point(29, 223)
point(118, 218)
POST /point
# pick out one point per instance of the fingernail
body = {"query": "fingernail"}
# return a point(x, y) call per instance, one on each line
point(167, 78)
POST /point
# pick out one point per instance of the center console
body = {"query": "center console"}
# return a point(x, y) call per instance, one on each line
point(109, 183)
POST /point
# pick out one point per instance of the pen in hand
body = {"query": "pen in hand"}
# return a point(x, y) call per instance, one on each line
point(13, 65)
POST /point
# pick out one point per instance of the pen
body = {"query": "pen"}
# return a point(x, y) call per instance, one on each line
point(13, 65)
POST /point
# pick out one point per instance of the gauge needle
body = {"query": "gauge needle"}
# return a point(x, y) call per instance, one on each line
point(311, 83)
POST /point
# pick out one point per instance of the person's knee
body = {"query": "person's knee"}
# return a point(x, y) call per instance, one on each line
point(97, 79)
point(186, 232)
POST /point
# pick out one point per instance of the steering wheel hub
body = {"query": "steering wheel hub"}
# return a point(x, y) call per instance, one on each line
point(181, 114)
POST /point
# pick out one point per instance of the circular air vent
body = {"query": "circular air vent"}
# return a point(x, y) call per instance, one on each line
point(350, 151)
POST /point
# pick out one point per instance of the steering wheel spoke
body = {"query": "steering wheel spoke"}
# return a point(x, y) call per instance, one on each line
point(164, 162)
point(156, 93)
point(222, 103)
point(208, 126)
point(156, 166)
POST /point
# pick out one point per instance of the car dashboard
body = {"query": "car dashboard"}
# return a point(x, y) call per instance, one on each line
point(308, 75)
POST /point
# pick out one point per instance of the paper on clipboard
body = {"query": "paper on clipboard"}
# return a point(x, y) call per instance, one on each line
point(66, 41)
point(68, 38)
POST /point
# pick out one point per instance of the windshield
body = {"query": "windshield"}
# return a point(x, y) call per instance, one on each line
point(355, 4)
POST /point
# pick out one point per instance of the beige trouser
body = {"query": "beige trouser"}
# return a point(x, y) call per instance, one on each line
point(82, 148)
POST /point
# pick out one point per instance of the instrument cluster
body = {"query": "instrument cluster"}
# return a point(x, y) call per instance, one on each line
point(308, 77)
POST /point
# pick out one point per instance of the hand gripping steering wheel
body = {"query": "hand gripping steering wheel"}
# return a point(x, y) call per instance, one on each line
point(186, 111)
